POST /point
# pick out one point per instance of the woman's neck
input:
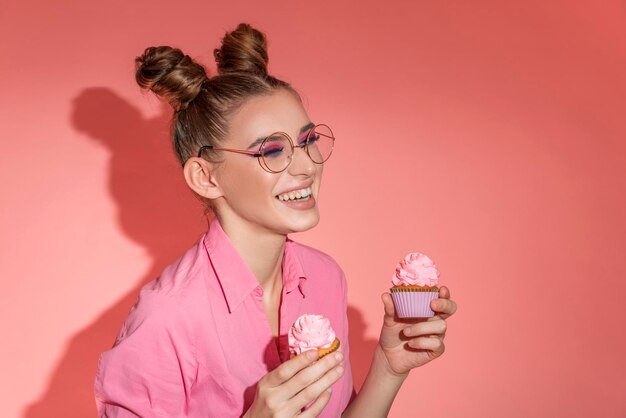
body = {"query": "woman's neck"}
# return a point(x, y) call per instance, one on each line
point(261, 250)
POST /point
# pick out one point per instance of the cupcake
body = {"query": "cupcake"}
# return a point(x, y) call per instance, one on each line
point(312, 332)
point(414, 286)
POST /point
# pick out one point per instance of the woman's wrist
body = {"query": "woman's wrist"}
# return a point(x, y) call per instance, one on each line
point(381, 367)
point(379, 389)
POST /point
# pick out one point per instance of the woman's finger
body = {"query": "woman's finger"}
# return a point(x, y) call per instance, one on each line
point(443, 307)
point(390, 309)
point(433, 344)
point(436, 327)
point(305, 378)
point(314, 390)
point(316, 407)
point(290, 368)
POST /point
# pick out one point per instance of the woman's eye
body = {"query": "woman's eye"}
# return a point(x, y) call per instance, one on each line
point(272, 151)
point(312, 138)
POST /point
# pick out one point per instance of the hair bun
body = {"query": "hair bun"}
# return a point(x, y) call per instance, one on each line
point(243, 50)
point(170, 74)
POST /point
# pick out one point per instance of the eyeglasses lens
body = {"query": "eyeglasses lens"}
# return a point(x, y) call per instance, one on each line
point(320, 143)
point(276, 152)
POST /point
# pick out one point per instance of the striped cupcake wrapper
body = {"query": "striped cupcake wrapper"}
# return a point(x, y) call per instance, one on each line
point(413, 304)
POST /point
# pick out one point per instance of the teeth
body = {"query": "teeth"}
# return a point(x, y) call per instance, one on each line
point(297, 194)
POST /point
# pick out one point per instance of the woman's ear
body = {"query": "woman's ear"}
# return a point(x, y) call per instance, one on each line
point(200, 177)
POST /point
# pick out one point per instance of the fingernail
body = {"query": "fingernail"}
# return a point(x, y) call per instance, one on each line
point(339, 370)
point(329, 390)
point(338, 356)
point(311, 354)
point(407, 332)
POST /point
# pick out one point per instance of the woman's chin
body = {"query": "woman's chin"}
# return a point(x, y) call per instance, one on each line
point(298, 218)
point(304, 223)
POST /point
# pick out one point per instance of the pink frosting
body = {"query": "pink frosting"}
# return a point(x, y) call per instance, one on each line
point(416, 269)
point(310, 332)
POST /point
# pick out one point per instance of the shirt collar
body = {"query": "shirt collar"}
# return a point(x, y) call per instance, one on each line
point(235, 277)
point(293, 273)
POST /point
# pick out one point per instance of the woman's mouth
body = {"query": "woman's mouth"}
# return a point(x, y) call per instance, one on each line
point(296, 195)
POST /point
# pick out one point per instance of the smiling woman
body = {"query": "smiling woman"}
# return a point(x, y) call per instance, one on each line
point(208, 337)
point(245, 195)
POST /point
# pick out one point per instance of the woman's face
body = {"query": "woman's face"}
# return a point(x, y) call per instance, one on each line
point(254, 198)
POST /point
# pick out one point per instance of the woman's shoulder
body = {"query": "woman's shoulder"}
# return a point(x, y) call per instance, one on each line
point(174, 296)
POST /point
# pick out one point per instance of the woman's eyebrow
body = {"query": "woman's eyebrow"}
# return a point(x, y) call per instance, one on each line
point(305, 128)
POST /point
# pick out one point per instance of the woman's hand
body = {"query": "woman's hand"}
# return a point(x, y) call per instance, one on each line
point(298, 382)
point(409, 343)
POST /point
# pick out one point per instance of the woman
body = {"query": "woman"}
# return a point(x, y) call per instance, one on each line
point(207, 338)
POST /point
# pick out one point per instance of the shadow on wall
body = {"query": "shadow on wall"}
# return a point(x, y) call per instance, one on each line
point(361, 349)
point(156, 211)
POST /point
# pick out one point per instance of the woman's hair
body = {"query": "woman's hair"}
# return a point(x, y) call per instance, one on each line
point(203, 105)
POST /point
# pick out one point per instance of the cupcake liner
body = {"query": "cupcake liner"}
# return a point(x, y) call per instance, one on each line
point(413, 304)
point(333, 347)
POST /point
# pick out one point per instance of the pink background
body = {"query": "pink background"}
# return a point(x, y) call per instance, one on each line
point(487, 134)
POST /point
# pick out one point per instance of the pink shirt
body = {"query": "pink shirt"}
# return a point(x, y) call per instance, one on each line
point(198, 340)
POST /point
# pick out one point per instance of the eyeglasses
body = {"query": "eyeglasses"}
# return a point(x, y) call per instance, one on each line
point(276, 151)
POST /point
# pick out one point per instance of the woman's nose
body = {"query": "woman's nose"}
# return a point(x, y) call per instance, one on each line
point(301, 163)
